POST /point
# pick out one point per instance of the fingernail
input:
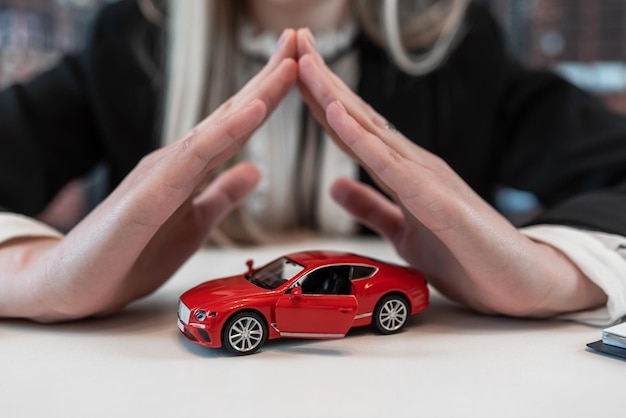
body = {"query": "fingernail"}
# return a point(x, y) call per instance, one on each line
point(340, 106)
point(282, 38)
point(253, 103)
point(309, 35)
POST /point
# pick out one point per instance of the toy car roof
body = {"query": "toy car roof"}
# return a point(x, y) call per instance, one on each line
point(322, 257)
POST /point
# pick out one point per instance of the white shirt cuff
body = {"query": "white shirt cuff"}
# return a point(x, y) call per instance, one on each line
point(18, 226)
point(601, 257)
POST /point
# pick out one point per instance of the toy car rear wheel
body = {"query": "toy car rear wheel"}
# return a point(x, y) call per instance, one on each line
point(391, 314)
point(244, 333)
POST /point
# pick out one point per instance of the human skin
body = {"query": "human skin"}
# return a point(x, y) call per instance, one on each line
point(437, 223)
point(124, 249)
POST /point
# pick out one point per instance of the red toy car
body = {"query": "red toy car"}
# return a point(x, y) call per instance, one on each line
point(311, 294)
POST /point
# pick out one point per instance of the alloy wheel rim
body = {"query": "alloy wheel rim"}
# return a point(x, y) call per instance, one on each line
point(393, 315)
point(245, 334)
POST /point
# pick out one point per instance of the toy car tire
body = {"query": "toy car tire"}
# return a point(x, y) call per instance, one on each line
point(391, 314)
point(244, 333)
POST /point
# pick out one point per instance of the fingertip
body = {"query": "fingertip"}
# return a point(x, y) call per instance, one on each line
point(258, 108)
point(250, 171)
point(286, 46)
point(307, 35)
point(291, 64)
point(336, 106)
point(290, 68)
point(312, 59)
point(285, 36)
point(241, 122)
point(304, 59)
point(338, 190)
point(306, 44)
point(334, 111)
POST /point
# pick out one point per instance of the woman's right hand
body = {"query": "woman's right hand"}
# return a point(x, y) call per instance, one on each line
point(152, 222)
point(436, 222)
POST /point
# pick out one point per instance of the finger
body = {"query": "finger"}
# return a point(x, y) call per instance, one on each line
point(320, 90)
point(306, 44)
point(280, 74)
point(270, 88)
point(287, 47)
point(188, 227)
point(285, 50)
point(369, 207)
point(185, 164)
point(320, 116)
point(160, 184)
point(165, 179)
point(393, 168)
point(226, 192)
point(267, 78)
point(273, 88)
point(190, 159)
point(123, 226)
point(381, 151)
point(371, 153)
point(321, 87)
point(326, 87)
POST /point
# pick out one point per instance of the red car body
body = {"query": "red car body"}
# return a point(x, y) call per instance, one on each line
point(310, 294)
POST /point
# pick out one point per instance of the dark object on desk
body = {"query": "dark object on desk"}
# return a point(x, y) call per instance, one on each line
point(608, 349)
point(613, 341)
point(309, 294)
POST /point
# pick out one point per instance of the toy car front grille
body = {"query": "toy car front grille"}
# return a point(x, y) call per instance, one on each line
point(184, 312)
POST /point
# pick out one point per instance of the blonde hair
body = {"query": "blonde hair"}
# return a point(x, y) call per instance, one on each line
point(195, 87)
point(402, 26)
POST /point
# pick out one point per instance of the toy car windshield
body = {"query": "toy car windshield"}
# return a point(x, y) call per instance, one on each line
point(275, 274)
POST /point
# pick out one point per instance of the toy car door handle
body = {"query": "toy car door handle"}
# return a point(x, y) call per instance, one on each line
point(346, 309)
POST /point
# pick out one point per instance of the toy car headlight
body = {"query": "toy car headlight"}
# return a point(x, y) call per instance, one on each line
point(200, 315)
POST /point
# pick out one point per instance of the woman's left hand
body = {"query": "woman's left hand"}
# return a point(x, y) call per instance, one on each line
point(153, 221)
point(437, 223)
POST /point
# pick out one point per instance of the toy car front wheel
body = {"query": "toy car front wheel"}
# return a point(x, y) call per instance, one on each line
point(391, 314)
point(244, 333)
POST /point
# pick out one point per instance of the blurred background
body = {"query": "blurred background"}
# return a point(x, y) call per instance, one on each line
point(34, 33)
point(584, 40)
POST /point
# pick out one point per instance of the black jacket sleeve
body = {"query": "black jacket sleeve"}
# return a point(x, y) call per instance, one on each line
point(96, 106)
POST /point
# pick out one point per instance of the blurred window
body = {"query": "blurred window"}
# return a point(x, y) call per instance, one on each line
point(583, 40)
point(34, 33)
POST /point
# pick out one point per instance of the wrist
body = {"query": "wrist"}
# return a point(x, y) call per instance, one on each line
point(23, 261)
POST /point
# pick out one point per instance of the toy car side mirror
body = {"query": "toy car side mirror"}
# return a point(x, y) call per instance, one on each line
point(249, 263)
point(296, 292)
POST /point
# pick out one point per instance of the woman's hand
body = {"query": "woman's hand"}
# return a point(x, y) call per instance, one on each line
point(153, 221)
point(437, 223)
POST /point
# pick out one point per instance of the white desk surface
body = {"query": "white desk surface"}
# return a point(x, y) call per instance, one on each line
point(449, 362)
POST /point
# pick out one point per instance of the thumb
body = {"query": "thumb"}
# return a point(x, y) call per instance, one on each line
point(226, 192)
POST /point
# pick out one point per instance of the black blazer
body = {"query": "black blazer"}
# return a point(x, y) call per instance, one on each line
point(495, 122)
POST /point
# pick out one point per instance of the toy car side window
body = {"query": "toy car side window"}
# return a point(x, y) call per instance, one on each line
point(331, 280)
point(362, 272)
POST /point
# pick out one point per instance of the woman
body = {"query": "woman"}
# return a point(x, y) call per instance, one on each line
point(488, 118)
